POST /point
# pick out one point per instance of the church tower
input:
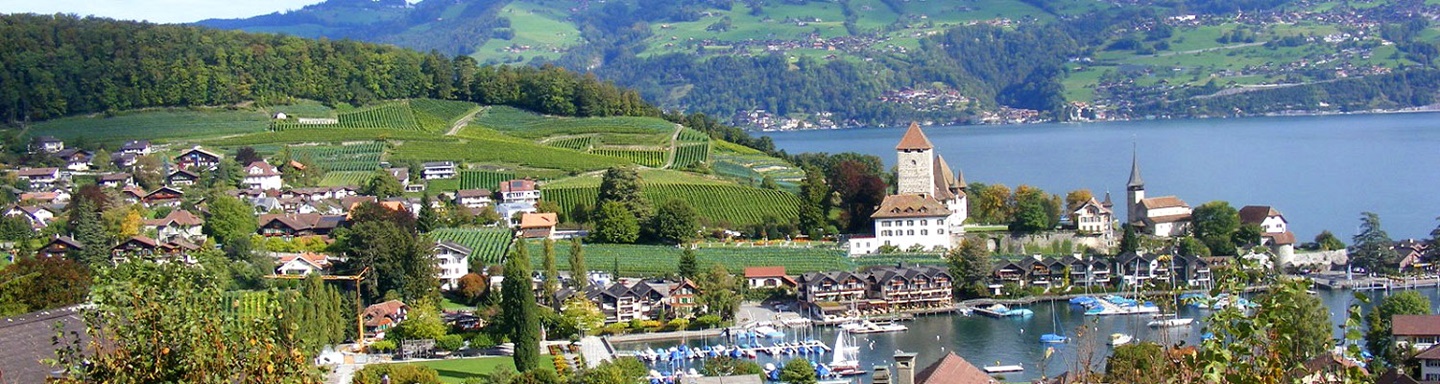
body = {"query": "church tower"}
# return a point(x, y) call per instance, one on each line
point(916, 163)
point(1135, 189)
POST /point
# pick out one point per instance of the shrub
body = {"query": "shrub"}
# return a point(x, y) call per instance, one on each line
point(482, 341)
point(677, 324)
point(613, 329)
point(399, 373)
point(450, 343)
point(382, 346)
point(707, 322)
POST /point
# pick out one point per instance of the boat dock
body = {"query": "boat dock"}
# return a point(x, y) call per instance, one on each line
point(1375, 283)
point(994, 369)
point(809, 347)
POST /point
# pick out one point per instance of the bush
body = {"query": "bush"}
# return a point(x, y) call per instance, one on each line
point(382, 346)
point(707, 322)
point(651, 325)
point(399, 373)
point(482, 341)
point(613, 329)
point(677, 324)
point(450, 343)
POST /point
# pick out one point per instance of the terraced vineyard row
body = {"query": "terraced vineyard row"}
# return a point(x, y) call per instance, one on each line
point(691, 154)
point(346, 178)
point(488, 245)
point(437, 115)
point(472, 179)
point(534, 126)
point(394, 115)
point(353, 157)
point(734, 204)
point(655, 260)
point(690, 135)
point(649, 158)
point(582, 143)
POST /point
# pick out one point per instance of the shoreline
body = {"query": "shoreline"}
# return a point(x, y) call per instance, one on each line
point(1409, 110)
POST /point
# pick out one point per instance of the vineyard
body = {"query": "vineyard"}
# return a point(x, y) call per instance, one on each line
point(582, 143)
point(346, 178)
point(392, 115)
point(316, 134)
point(688, 135)
point(734, 204)
point(655, 260)
point(646, 157)
point(488, 244)
point(152, 125)
point(691, 154)
point(353, 157)
point(437, 115)
point(529, 125)
point(472, 179)
point(505, 151)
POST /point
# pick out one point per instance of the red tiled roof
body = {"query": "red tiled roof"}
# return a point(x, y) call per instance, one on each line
point(952, 369)
point(1256, 214)
point(1415, 325)
point(1163, 202)
point(28, 172)
point(909, 206)
point(1282, 238)
point(261, 168)
point(914, 139)
point(179, 216)
point(1430, 354)
point(538, 220)
point(517, 185)
point(764, 271)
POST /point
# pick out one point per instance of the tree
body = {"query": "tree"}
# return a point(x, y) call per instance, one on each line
point(675, 222)
point(1033, 210)
point(246, 155)
point(727, 366)
point(472, 287)
point(1373, 248)
point(1189, 246)
point(814, 195)
point(1129, 240)
point(1248, 235)
point(383, 185)
point(1077, 198)
point(138, 333)
point(970, 265)
point(552, 273)
point(578, 273)
point(687, 267)
point(1378, 339)
point(229, 219)
point(38, 283)
point(1142, 362)
point(422, 322)
point(387, 242)
point(86, 225)
point(615, 224)
point(1300, 323)
point(519, 312)
point(586, 315)
point(101, 160)
point(798, 371)
point(428, 220)
point(991, 203)
point(1328, 242)
point(318, 314)
point(622, 185)
point(1215, 224)
point(861, 189)
point(719, 292)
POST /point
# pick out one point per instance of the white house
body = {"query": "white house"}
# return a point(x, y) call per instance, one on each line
point(1093, 217)
point(453, 263)
point(519, 191)
point(47, 144)
point(261, 175)
point(136, 147)
point(473, 198)
point(908, 222)
point(116, 180)
point(38, 216)
point(1429, 364)
point(39, 178)
point(400, 174)
point(301, 263)
point(76, 159)
point(768, 277)
point(438, 170)
point(179, 224)
point(509, 211)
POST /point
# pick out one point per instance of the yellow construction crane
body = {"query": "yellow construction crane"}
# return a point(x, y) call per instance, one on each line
point(359, 305)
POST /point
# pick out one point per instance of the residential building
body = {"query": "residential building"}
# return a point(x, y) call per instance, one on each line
point(145, 248)
point(181, 177)
point(59, 246)
point(519, 191)
point(453, 262)
point(29, 341)
point(438, 170)
point(39, 216)
point(303, 263)
point(473, 198)
point(1412, 255)
point(76, 159)
point(1274, 229)
point(47, 144)
point(645, 300)
point(124, 160)
point(1165, 216)
point(136, 147)
point(291, 225)
point(400, 174)
point(1325, 369)
point(383, 316)
point(929, 209)
point(197, 158)
point(163, 196)
point(905, 288)
point(116, 180)
point(538, 225)
point(1415, 332)
point(262, 175)
point(179, 224)
point(1429, 361)
point(1094, 217)
point(53, 196)
point(950, 369)
point(39, 178)
point(510, 212)
point(768, 277)
point(830, 294)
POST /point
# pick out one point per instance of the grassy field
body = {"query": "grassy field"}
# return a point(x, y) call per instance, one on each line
point(485, 146)
point(457, 370)
point(544, 30)
point(154, 125)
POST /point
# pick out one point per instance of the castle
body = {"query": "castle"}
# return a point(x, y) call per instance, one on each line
point(928, 210)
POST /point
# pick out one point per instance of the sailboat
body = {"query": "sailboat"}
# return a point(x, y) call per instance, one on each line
point(847, 356)
point(1053, 337)
point(1167, 320)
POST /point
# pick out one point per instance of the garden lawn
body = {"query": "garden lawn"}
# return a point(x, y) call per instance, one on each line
point(457, 370)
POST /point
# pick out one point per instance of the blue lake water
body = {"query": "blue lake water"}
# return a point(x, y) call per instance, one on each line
point(1320, 171)
point(987, 341)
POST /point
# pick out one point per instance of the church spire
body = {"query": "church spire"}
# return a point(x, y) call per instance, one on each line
point(1135, 181)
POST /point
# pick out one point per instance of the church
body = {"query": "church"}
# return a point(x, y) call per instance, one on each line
point(928, 210)
point(1164, 216)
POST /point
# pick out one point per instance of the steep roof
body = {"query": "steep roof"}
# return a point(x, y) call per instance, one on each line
point(179, 216)
point(1135, 180)
point(914, 139)
point(952, 369)
point(461, 249)
point(28, 340)
point(944, 180)
point(30, 172)
point(1430, 354)
point(1256, 214)
point(1415, 325)
point(1281, 238)
point(900, 206)
point(261, 168)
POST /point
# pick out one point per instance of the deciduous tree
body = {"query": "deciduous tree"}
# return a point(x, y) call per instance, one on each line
point(814, 196)
point(970, 266)
point(1378, 339)
point(39, 283)
point(1215, 224)
point(798, 371)
point(615, 224)
point(229, 219)
point(675, 222)
point(578, 272)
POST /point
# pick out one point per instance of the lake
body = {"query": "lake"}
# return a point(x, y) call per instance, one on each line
point(1320, 171)
point(985, 341)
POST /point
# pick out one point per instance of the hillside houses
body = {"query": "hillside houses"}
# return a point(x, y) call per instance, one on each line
point(519, 191)
point(198, 159)
point(38, 216)
point(46, 144)
point(178, 225)
point(304, 224)
point(39, 178)
point(438, 170)
point(474, 198)
point(261, 175)
point(303, 263)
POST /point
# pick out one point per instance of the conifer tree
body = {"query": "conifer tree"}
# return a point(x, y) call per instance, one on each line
point(427, 218)
point(552, 274)
point(518, 303)
point(578, 272)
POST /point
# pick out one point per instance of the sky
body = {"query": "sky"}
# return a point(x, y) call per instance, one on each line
point(157, 11)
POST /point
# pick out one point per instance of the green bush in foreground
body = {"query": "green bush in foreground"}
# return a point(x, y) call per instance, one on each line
point(399, 373)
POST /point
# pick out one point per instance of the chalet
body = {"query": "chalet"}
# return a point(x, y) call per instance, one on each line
point(116, 180)
point(57, 196)
point(400, 174)
point(683, 298)
point(452, 263)
point(1088, 272)
point(537, 225)
point(1412, 255)
point(1429, 361)
point(140, 247)
point(124, 160)
point(132, 194)
point(179, 224)
point(261, 175)
point(438, 170)
point(903, 288)
point(383, 316)
point(301, 263)
point(1094, 217)
point(38, 216)
point(768, 277)
point(290, 225)
point(197, 158)
point(1415, 332)
point(181, 177)
point(1136, 267)
point(47, 144)
point(473, 198)
point(39, 178)
point(1009, 272)
point(519, 191)
point(163, 196)
point(1326, 368)
point(60, 246)
point(644, 300)
point(136, 147)
point(76, 159)
point(827, 294)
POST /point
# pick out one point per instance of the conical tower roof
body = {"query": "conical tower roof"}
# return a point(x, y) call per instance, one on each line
point(1135, 180)
point(914, 139)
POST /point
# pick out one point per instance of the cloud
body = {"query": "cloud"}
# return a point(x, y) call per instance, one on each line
point(158, 11)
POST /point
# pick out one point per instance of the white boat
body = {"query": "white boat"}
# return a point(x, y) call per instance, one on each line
point(869, 327)
point(1169, 320)
point(847, 356)
point(993, 369)
point(1118, 339)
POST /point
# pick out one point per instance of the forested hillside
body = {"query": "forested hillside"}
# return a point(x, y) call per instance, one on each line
point(775, 64)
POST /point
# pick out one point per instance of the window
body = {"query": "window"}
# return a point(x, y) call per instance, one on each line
point(940, 222)
point(909, 223)
point(923, 223)
point(924, 232)
point(884, 223)
point(939, 231)
point(910, 232)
